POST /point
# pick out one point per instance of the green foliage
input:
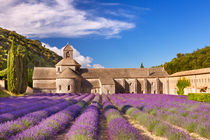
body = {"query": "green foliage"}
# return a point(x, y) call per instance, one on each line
point(181, 84)
point(160, 129)
point(142, 66)
point(190, 127)
point(3, 94)
point(17, 69)
point(30, 74)
point(201, 97)
point(38, 55)
point(3, 74)
point(189, 61)
point(1, 56)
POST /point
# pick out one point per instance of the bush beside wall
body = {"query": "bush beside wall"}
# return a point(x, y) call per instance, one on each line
point(201, 97)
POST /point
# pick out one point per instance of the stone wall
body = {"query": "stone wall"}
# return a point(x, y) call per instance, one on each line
point(165, 85)
point(198, 82)
point(90, 86)
point(38, 90)
point(66, 86)
point(2, 84)
point(46, 86)
point(105, 89)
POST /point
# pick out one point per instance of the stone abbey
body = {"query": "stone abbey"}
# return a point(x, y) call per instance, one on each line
point(68, 77)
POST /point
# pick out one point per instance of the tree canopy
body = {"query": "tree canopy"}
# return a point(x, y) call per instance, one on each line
point(189, 61)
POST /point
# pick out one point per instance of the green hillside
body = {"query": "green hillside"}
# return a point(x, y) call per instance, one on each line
point(189, 61)
point(38, 55)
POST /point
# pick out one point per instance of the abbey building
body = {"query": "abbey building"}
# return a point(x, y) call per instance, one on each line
point(68, 77)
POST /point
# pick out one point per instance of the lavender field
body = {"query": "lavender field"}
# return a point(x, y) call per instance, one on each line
point(124, 116)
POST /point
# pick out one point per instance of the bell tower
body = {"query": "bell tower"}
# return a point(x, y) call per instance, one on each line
point(67, 61)
point(68, 52)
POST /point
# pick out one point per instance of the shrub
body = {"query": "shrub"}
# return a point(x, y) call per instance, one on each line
point(201, 97)
point(181, 84)
point(190, 126)
point(160, 129)
point(151, 124)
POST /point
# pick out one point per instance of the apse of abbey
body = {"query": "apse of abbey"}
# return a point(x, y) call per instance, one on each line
point(68, 77)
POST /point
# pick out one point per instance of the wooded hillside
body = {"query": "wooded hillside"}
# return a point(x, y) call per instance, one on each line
point(38, 55)
point(189, 61)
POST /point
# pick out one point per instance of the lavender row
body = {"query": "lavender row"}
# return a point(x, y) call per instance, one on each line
point(13, 105)
point(13, 127)
point(49, 127)
point(117, 127)
point(16, 104)
point(177, 110)
point(156, 126)
point(153, 124)
point(86, 125)
point(36, 106)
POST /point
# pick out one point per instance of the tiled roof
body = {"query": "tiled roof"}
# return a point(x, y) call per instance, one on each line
point(68, 62)
point(192, 72)
point(67, 73)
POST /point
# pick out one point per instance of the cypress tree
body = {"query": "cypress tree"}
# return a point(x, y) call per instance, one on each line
point(17, 69)
point(142, 66)
point(10, 68)
point(23, 68)
point(1, 56)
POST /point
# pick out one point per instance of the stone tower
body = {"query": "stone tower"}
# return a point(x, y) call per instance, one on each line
point(68, 52)
point(67, 61)
point(67, 73)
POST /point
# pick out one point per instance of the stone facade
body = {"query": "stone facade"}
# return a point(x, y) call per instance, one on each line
point(68, 77)
point(2, 84)
point(199, 79)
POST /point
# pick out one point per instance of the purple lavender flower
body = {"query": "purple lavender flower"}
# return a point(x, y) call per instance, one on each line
point(118, 128)
point(12, 127)
point(49, 127)
point(86, 125)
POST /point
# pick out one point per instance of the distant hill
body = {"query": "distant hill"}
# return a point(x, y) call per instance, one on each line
point(38, 55)
point(189, 61)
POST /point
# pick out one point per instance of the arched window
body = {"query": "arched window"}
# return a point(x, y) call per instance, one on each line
point(59, 87)
point(67, 55)
point(69, 87)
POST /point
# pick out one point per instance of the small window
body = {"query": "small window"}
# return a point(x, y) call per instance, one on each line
point(67, 55)
point(59, 87)
point(69, 87)
point(58, 69)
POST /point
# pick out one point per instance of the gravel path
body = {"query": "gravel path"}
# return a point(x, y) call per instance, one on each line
point(102, 127)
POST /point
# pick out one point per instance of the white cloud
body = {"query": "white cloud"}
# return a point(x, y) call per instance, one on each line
point(97, 66)
point(84, 61)
point(36, 18)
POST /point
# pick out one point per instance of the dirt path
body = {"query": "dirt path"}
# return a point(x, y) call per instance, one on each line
point(102, 127)
point(144, 133)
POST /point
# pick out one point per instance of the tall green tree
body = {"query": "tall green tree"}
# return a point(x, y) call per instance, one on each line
point(1, 56)
point(142, 66)
point(182, 84)
point(17, 73)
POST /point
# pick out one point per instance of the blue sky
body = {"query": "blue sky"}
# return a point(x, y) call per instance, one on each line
point(114, 33)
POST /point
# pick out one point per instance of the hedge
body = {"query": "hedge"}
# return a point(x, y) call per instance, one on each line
point(201, 97)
